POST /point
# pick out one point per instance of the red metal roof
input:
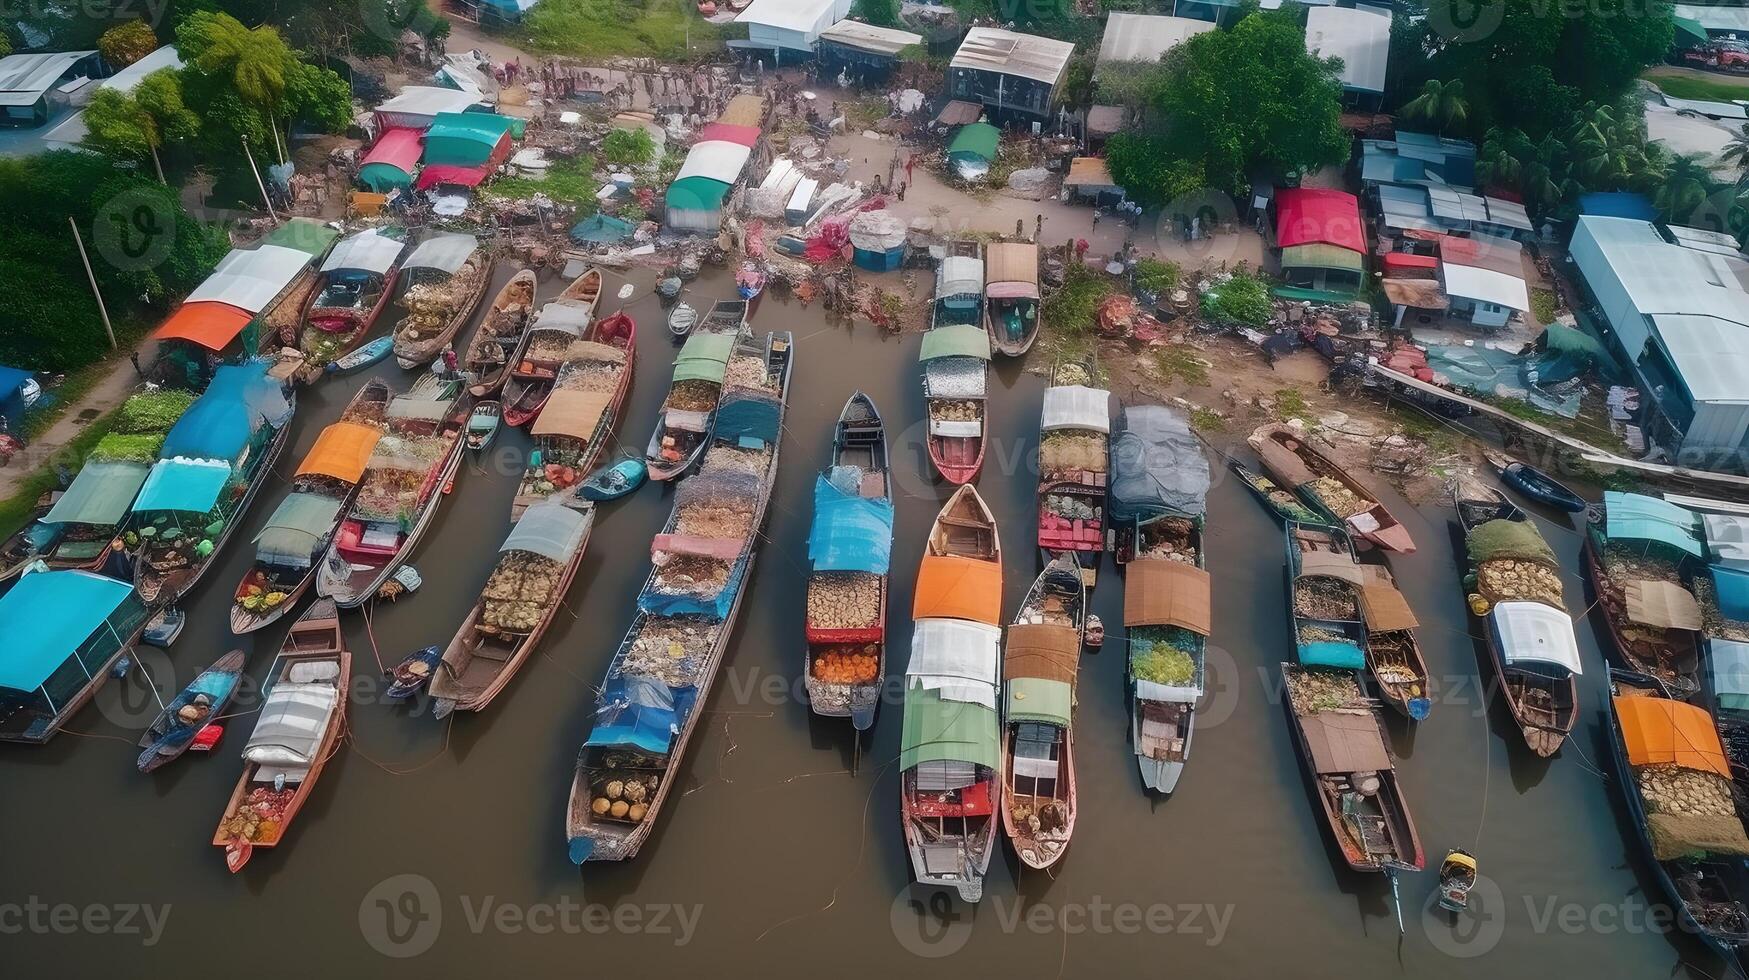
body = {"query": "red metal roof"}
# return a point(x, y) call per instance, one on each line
point(1406, 260)
point(1315, 215)
point(444, 173)
point(399, 148)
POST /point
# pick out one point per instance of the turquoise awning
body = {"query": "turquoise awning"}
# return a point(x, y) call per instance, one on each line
point(48, 616)
point(958, 340)
point(186, 485)
point(696, 194)
point(100, 494)
point(1636, 517)
point(549, 529)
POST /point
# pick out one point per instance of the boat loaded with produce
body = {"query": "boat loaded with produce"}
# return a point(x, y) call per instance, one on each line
point(66, 629)
point(950, 749)
point(683, 424)
point(1640, 553)
point(548, 345)
point(522, 595)
point(850, 548)
point(649, 703)
point(1075, 432)
point(302, 526)
point(1293, 459)
point(499, 338)
point(1281, 503)
point(440, 286)
point(211, 465)
point(1393, 653)
point(403, 485)
point(1011, 300)
point(358, 278)
point(1041, 660)
point(581, 414)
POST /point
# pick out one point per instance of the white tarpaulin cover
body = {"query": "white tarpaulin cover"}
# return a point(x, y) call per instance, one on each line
point(716, 159)
point(959, 275)
point(952, 429)
point(370, 251)
point(1077, 407)
point(445, 253)
point(1361, 37)
point(1531, 632)
point(1728, 539)
point(250, 279)
point(569, 315)
point(291, 725)
point(957, 659)
point(877, 231)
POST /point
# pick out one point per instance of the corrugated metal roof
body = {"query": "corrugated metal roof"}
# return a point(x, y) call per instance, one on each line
point(1041, 59)
point(1361, 37)
point(1712, 355)
point(801, 16)
point(1509, 214)
point(868, 37)
point(1702, 240)
point(1715, 18)
point(25, 77)
point(1664, 278)
point(1145, 37)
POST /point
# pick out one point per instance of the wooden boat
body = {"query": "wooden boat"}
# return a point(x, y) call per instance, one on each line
point(412, 673)
point(1653, 618)
point(1529, 634)
point(201, 703)
point(1040, 663)
point(614, 481)
point(1707, 884)
point(956, 365)
point(29, 543)
point(483, 424)
point(80, 627)
point(1280, 502)
point(682, 319)
point(951, 790)
point(1534, 483)
point(1012, 311)
point(545, 347)
point(440, 287)
point(1292, 459)
point(683, 424)
point(1457, 875)
point(749, 281)
point(580, 416)
point(846, 623)
point(296, 733)
point(356, 282)
point(498, 341)
point(404, 482)
point(646, 712)
point(1167, 616)
point(164, 627)
point(363, 356)
point(1393, 654)
point(288, 549)
point(1074, 446)
point(524, 592)
point(1324, 610)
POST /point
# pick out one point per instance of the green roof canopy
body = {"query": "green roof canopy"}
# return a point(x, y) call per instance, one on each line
point(384, 177)
point(957, 340)
point(1038, 699)
point(1631, 515)
point(100, 494)
point(296, 527)
point(935, 730)
point(697, 194)
point(464, 139)
point(704, 358)
point(1319, 255)
point(1690, 30)
point(303, 234)
point(976, 140)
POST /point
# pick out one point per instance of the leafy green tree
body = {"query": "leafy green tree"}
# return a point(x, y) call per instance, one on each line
point(881, 13)
point(1441, 103)
point(1686, 185)
point(136, 124)
point(124, 44)
point(243, 81)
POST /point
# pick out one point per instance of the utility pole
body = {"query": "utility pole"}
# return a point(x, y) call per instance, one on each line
point(102, 309)
point(258, 183)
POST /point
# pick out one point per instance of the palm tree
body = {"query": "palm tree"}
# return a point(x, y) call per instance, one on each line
point(258, 60)
point(1736, 152)
point(1441, 103)
point(1686, 185)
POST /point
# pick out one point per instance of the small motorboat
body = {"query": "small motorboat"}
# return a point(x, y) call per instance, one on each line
point(483, 425)
point(199, 704)
point(164, 627)
point(1534, 483)
point(364, 356)
point(1457, 875)
point(614, 482)
point(682, 319)
point(413, 673)
point(750, 281)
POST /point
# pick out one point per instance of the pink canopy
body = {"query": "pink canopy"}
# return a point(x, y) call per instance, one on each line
point(1315, 215)
point(443, 173)
point(729, 132)
point(399, 148)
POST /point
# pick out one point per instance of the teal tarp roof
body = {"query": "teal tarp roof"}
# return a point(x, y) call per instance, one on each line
point(975, 139)
point(100, 494)
point(464, 139)
point(297, 525)
point(549, 529)
point(218, 425)
point(957, 340)
point(49, 615)
point(697, 194)
point(187, 485)
point(1641, 518)
point(704, 358)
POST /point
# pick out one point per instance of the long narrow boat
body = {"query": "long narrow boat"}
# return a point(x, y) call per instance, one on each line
point(1011, 300)
point(499, 339)
point(1282, 504)
point(1514, 586)
point(950, 755)
point(203, 700)
point(1640, 552)
point(683, 424)
point(210, 468)
point(547, 345)
point(357, 281)
point(1534, 483)
point(441, 285)
point(850, 548)
point(1041, 660)
point(956, 374)
point(1073, 459)
point(66, 630)
point(581, 414)
point(525, 591)
point(302, 527)
point(662, 674)
point(27, 544)
point(1393, 652)
point(1294, 461)
point(1665, 751)
point(404, 483)
point(298, 730)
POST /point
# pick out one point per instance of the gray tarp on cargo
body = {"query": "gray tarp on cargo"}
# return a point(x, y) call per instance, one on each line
point(1157, 465)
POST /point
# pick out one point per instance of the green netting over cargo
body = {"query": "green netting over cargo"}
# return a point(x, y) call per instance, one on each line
point(1509, 539)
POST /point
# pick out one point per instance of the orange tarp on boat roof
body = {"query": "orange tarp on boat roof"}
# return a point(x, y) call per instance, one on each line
point(209, 323)
point(341, 451)
point(1158, 592)
point(1659, 731)
point(951, 587)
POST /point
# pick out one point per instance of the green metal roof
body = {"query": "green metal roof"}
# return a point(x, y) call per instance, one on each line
point(957, 340)
point(1319, 255)
point(935, 730)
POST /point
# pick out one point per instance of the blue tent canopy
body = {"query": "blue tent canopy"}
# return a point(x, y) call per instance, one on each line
point(851, 533)
point(1637, 517)
point(49, 616)
point(189, 486)
point(219, 424)
point(1329, 653)
point(640, 712)
point(745, 418)
point(1732, 588)
point(713, 607)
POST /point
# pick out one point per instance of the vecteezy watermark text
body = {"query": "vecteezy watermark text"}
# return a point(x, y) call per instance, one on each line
point(36, 917)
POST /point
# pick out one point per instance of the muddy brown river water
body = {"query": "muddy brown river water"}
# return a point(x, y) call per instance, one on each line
point(438, 846)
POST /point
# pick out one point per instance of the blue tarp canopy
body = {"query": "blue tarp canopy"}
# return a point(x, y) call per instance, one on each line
point(748, 418)
point(1618, 204)
point(1632, 516)
point(218, 425)
point(49, 615)
point(1732, 588)
point(712, 607)
point(851, 533)
point(1328, 653)
point(640, 712)
point(186, 485)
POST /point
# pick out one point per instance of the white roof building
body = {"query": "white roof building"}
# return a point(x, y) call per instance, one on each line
point(1145, 37)
point(72, 130)
point(1360, 36)
point(793, 24)
point(868, 37)
point(992, 49)
point(26, 78)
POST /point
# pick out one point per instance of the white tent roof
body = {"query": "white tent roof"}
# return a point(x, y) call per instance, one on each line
point(1145, 37)
point(868, 37)
point(25, 77)
point(1531, 632)
point(446, 252)
point(370, 251)
point(716, 159)
point(802, 16)
point(959, 275)
point(1486, 286)
point(249, 279)
point(429, 100)
point(1041, 59)
point(956, 658)
point(1360, 36)
point(1076, 407)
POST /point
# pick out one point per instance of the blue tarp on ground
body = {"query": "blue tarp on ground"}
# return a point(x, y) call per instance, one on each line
point(640, 712)
point(1488, 371)
point(744, 417)
point(850, 533)
point(49, 615)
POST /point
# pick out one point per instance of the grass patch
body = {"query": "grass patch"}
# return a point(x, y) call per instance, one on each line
point(1706, 89)
point(1290, 403)
point(16, 509)
point(1543, 305)
point(1183, 364)
point(604, 28)
point(1207, 420)
point(1155, 276)
point(863, 113)
point(70, 392)
point(570, 181)
point(1437, 438)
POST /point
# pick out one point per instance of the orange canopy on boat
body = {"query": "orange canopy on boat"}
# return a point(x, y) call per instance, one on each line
point(209, 323)
point(951, 587)
point(341, 451)
point(1659, 731)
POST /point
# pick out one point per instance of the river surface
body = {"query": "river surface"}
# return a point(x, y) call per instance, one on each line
point(439, 846)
